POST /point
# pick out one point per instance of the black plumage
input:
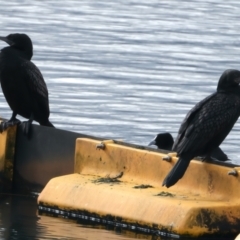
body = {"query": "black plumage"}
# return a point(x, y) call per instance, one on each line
point(207, 124)
point(22, 83)
point(165, 141)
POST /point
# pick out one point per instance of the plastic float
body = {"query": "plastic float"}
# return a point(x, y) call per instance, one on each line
point(120, 184)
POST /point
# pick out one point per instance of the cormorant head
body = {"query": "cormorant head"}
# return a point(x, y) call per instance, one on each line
point(21, 42)
point(163, 141)
point(229, 81)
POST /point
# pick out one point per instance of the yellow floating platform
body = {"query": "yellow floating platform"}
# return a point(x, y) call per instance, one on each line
point(7, 150)
point(122, 184)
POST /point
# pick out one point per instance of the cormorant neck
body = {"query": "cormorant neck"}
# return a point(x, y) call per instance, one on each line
point(26, 51)
point(231, 90)
point(8, 51)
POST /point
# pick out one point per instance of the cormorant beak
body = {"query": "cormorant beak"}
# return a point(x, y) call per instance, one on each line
point(153, 142)
point(8, 41)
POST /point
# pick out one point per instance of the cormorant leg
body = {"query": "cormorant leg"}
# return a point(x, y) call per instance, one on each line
point(12, 122)
point(206, 157)
point(27, 126)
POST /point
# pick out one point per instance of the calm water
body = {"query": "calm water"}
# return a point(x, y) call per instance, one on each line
point(19, 221)
point(126, 69)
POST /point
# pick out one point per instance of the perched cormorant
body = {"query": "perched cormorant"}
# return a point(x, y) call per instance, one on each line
point(165, 141)
point(22, 83)
point(207, 124)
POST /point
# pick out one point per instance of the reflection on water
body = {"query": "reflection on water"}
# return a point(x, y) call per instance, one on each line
point(126, 69)
point(19, 219)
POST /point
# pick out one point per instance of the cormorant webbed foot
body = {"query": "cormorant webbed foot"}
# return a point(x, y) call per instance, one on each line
point(4, 125)
point(27, 128)
point(206, 158)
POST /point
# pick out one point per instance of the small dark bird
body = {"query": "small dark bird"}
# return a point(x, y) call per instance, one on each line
point(165, 141)
point(22, 83)
point(207, 124)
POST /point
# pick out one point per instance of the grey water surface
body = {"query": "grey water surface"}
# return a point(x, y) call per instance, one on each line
point(125, 69)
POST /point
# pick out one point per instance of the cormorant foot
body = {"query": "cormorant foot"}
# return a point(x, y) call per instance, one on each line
point(206, 158)
point(4, 125)
point(27, 128)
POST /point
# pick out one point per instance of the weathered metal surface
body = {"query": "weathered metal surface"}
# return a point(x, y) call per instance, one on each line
point(47, 154)
point(125, 182)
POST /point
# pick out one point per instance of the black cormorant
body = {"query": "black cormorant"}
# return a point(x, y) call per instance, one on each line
point(22, 83)
point(207, 124)
point(165, 141)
